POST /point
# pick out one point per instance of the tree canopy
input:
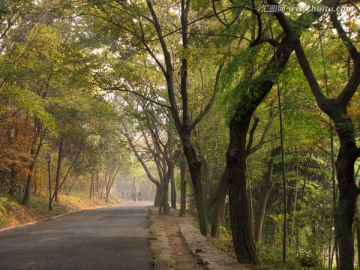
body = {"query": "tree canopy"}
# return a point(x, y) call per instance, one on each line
point(261, 99)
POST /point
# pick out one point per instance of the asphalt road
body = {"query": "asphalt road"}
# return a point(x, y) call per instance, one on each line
point(107, 238)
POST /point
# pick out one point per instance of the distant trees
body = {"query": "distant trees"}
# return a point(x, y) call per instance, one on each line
point(48, 104)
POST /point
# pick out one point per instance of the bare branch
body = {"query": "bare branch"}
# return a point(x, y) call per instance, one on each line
point(212, 99)
point(124, 88)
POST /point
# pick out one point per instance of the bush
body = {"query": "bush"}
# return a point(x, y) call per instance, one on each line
point(309, 259)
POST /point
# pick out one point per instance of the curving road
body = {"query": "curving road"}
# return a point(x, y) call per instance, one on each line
point(106, 238)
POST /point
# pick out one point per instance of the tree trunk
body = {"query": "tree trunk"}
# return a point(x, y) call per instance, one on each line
point(345, 212)
point(220, 204)
point(72, 184)
point(12, 184)
point(165, 208)
point(108, 187)
point(244, 245)
point(97, 181)
point(183, 187)
point(92, 186)
point(195, 172)
point(158, 195)
point(265, 193)
point(207, 178)
point(336, 109)
point(58, 170)
point(173, 187)
point(35, 153)
point(165, 197)
point(358, 242)
point(26, 198)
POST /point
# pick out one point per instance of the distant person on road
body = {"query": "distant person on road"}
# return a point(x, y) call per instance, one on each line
point(139, 196)
point(134, 196)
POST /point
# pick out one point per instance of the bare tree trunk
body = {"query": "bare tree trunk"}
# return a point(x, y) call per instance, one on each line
point(34, 152)
point(358, 243)
point(92, 186)
point(265, 193)
point(183, 187)
point(58, 170)
point(12, 184)
point(97, 181)
point(208, 170)
point(72, 184)
point(244, 245)
point(158, 195)
point(195, 172)
point(218, 212)
point(111, 182)
point(173, 188)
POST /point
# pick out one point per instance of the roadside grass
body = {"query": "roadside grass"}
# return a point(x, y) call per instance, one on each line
point(13, 213)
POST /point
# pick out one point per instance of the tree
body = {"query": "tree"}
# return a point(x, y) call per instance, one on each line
point(244, 98)
point(148, 24)
point(337, 109)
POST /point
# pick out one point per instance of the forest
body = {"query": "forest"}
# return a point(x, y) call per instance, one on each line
point(244, 112)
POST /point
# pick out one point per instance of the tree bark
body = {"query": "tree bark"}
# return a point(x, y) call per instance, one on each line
point(173, 186)
point(346, 208)
point(12, 184)
point(158, 195)
point(265, 193)
point(34, 152)
point(183, 187)
point(165, 208)
point(58, 170)
point(218, 211)
point(270, 181)
point(207, 178)
point(195, 171)
point(111, 182)
point(72, 184)
point(92, 186)
point(243, 241)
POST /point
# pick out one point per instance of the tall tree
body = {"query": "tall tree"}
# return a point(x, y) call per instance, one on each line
point(246, 97)
point(150, 22)
point(337, 109)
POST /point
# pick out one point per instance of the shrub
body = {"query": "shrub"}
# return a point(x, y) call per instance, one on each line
point(309, 259)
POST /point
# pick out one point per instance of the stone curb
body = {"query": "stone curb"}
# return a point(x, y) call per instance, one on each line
point(201, 248)
point(159, 243)
point(205, 252)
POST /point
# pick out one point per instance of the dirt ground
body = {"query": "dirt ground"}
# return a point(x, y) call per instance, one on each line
point(182, 258)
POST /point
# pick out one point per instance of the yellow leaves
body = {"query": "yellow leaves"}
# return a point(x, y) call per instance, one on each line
point(354, 114)
point(16, 136)
point(354, 24)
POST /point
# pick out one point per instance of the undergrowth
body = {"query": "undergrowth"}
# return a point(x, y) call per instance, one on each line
point(270, 257)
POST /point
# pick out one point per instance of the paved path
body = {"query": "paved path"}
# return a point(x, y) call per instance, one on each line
point(107, 238)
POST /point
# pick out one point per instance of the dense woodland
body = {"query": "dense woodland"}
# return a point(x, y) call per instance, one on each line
point(245, 112)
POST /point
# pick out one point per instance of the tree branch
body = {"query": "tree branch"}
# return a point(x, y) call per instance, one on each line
point(212, 99)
